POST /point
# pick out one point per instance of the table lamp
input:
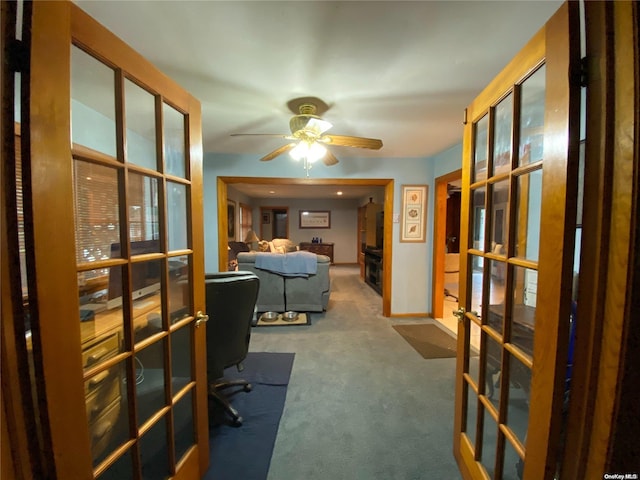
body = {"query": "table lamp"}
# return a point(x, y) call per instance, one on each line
point(251, 238)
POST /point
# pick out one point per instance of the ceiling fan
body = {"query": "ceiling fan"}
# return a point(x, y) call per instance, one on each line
point(309, 138)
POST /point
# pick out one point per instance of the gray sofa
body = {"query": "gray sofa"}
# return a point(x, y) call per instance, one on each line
point(280, 293)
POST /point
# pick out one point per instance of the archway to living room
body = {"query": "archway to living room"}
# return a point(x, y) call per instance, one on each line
point(388, 184)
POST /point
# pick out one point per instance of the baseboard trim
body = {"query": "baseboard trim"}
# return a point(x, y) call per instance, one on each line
point(404, 315)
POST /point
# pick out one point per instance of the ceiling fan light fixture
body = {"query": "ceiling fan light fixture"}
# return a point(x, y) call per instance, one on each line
point(316, 152)
point(311, 151)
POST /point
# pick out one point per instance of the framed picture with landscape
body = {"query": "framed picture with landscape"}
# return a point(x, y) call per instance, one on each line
point(315, 219)
point(414, 213)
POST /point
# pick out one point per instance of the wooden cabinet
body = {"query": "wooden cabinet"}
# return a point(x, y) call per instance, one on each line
point(102, 392)
point(318, 248)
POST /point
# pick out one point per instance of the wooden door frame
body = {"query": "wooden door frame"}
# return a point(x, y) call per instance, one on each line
point(388, 183)
point(271, 209)
point(439, 239)
point(62, 399)
point(554, 46)
point(604, 414)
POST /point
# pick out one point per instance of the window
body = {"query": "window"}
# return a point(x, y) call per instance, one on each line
point(246, 220)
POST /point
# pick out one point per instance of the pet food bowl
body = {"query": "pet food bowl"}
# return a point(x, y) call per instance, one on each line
point(269, 316)
point(290, 316)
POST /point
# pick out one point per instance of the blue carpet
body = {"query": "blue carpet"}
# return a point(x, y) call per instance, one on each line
point(244, 453)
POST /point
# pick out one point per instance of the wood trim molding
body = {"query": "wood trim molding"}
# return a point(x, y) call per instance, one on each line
point(603, 415)
point(388, 183)
point(439, 238)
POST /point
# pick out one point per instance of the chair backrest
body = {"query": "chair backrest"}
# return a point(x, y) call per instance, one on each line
point(231, 298)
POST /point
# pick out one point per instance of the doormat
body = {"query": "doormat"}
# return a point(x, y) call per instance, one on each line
point(279, 321)
point(428, 340)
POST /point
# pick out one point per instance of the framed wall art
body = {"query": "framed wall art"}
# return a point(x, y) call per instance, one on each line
point(414, 213)
point(315, 219)
point(231, 220)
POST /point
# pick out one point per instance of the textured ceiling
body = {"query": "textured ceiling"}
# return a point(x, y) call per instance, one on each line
point(399, 71)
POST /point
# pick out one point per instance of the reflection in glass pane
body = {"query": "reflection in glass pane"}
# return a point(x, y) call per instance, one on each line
point(489, 443)
point(107, 411)
point(174, 140)
point(502, 136)
point(481, 149)
point(496, 295)
point(93, 107)
point(524, 308)
point(154, 455)
point(145, 286)
point(532, 107)
point(177, 216)
point(492, 373)
point(474, 352)
point(101, 315)
point(528, 206)
point(183, 425)
point(519, 391)
point(140, 117)
point(472, 413)
point(499, 233)
point(143, 208)
point(122, 469)
point(478, 208)
point(513, 467)
point(474, 339)
point(476, 287)
point(17, 107)
point(179, 288)
point(150, 380)
point(180, 358)
point(96, 211)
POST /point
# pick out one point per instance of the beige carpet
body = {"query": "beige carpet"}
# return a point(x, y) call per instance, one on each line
point(428, 340)
point(303, 319)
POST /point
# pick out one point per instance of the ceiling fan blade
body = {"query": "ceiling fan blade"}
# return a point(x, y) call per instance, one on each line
point(329, 159)
point(278, 151)
point(347, 141)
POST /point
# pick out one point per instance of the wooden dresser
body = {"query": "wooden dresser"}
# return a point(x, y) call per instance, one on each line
point(318, 248)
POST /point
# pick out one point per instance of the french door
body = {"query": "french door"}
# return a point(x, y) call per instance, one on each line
point(116, 205)
point(516, 262)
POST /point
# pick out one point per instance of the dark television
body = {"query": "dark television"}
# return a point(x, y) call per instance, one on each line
point(145, 276)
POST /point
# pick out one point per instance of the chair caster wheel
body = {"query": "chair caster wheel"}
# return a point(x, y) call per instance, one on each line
point(237, 422)
point(247, 387)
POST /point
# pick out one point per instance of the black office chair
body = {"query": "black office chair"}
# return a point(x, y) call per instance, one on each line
point(231, 299)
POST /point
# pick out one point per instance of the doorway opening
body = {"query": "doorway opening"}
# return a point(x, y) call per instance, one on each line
point(275, 222)
point(446, 251)
point(387, 183)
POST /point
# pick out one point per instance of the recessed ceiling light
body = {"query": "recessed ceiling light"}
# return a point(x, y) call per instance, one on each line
point(339, 193)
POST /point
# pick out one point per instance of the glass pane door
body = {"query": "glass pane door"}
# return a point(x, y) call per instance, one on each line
point(134, 267)
point(507, 151)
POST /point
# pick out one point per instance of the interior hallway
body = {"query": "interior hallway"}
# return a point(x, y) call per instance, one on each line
point(361, 403)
